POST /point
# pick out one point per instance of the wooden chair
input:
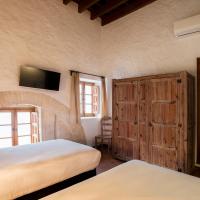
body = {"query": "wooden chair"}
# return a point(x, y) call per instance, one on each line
point(106, 133)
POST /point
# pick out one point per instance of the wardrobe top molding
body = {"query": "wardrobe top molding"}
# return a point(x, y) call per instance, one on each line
point(167, 75)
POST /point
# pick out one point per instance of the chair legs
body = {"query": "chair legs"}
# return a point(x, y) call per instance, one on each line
point(110, 145)
point(99, 142)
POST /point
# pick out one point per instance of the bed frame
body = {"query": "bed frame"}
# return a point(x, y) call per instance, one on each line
point(58, 186)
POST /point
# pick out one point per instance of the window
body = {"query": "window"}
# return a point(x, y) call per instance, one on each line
point(18, 127)
point(89, 99)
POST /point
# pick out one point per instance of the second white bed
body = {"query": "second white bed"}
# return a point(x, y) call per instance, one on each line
point(134, 180)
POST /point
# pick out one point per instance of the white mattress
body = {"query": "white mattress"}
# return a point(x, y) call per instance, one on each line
point(28, 168)
point(134, 180)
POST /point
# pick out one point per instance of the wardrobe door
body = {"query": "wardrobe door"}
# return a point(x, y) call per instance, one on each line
point(163, 122)
point(125, 120)
point(143, 120)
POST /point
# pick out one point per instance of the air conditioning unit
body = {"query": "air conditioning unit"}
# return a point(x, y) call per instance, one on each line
point(187, 26)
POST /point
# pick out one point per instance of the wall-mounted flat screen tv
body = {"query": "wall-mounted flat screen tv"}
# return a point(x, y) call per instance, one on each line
point(39, 78)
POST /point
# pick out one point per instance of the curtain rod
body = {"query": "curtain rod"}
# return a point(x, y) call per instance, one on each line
point(71, 71)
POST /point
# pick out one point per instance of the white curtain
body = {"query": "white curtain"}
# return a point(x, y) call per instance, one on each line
point(104, 98)
point(75, 118)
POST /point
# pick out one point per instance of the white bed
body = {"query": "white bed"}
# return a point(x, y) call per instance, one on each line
point(28, 168)
point(134, 180)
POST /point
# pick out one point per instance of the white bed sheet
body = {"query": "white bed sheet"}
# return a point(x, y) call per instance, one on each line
point(134, 180)
point(28, 168)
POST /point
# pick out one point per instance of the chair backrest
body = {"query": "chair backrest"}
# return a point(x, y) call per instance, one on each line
point(106, 126)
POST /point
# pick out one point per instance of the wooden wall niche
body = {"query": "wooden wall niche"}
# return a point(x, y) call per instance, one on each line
point(153, 120)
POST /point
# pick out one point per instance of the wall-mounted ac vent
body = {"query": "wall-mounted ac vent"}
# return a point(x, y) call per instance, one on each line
point(187, 26)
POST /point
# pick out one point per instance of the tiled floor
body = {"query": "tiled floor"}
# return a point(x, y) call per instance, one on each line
point(107, 162)
point(196, 172)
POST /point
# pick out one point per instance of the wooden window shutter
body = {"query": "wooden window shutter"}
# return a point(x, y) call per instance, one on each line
point(95, 99)
point(35, 137)
point(82, 98)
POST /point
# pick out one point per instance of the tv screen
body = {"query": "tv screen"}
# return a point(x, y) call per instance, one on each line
point(39, 78)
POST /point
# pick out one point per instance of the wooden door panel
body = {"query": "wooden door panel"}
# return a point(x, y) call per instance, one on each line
point(143, 133)
point(156, 137)
point(132, 131)
point(123, 129)
point(128, 149)
point(171, 159)
point(164, 136)
point(143, 90)
point(164, 158)
point(157, 156)
point(131, 150)
point(126, 92)
point(164, 113)
point(122, 112)
point(132, 92)
point(128, 111)
point(125, 112)
point(143, 112)
point(143, 120)
point(115, 114)
point(144, 151)
point(163, 89)
point(163, 122)
point(132, 112)
point(115, 125)
point(121, 93)
point(135, 150)
point(128, 130)
point(118, 147)
point(169, 135)
point(125, 149)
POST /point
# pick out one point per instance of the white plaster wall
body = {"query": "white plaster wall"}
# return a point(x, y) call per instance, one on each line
point(143, 42)
point(92, 128)
point(48, 34)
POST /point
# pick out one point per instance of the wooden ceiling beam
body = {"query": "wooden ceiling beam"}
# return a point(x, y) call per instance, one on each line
point(85, 4)
point(66, 1)
point(109, 6)
point(123, 10)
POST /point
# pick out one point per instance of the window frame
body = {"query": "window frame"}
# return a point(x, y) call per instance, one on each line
point(14, 122)
point(82, 103)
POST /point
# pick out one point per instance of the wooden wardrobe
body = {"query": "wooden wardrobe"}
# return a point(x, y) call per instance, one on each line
point(153, 120)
